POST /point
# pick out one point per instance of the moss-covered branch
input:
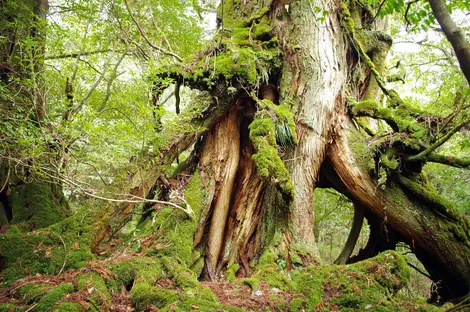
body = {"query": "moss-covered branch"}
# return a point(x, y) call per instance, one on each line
point(439, 142)
point(369, 108)
point(449, 160)
point(438, 202)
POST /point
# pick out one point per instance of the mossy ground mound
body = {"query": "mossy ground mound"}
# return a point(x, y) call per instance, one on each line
point(161, 283)
point(64, 245)
point(155, 267)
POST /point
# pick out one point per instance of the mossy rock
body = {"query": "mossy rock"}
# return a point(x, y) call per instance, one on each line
point(49, 300)
point(68, 307)
point(144, 295)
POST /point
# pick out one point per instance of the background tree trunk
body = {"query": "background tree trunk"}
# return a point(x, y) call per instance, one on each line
point(38, 204)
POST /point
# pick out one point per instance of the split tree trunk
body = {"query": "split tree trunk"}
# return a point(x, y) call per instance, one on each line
point(247, 216)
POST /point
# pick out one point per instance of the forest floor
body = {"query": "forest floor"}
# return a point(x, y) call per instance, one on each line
point(237, 294)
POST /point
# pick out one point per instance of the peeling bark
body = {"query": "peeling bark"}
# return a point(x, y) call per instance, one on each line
point(245, 212)
point(219, 161)
point(315, 75)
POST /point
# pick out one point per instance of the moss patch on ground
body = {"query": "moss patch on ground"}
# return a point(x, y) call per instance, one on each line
point(61, 246)
point(49, 300)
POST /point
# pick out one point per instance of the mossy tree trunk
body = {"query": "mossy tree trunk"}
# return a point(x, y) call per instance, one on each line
point(24, 201)
point(439, 240)
point(247, 217)
point(281, 76)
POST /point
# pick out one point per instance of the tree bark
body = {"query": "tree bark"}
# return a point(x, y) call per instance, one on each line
point(453, 34)
point(434, 238)
point(219, 161)
point(313, 77)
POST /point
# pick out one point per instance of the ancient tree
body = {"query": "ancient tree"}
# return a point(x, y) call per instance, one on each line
point(283, 114)
point(279, 111)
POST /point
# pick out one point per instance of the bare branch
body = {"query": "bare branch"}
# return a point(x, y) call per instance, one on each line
point(142, 32)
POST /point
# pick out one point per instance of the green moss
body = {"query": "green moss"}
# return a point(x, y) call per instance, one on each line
point(389, 161)
point(206, 294)
point(231, 272)
point(31, 292)
point(144, 295)
point(124, 272)
point(37, 205)
point(96, 286)
point(365, 108)
point(260, 13)
point(246, 50)
point(272, 125)
point(274, 277)
point(43, 251)
point(68, 307)
point(362, 151)
point(198, 266)
point(251, 282)
point(49, 300)
point(354, 286)
point(262, 29)
point(186, 280)
point(150, 271)
point(178, 228)
point(298, 305)
point(8, 307)
point(430, 196)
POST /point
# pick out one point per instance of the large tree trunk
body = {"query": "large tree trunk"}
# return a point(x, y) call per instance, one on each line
point(313, 77)
point(436, 239)
point(24, 200)
point(248, 212)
